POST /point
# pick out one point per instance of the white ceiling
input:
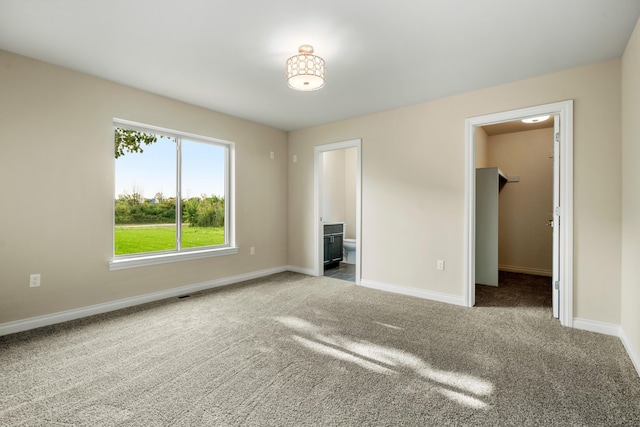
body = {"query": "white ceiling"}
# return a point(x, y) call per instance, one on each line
point(229, 55)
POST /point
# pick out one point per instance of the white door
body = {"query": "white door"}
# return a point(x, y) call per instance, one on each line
point(556, 222)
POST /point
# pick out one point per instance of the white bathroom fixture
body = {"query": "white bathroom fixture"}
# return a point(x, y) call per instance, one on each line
point(349, 248)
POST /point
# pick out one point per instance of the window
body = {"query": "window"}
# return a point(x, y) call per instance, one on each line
point(172, 196)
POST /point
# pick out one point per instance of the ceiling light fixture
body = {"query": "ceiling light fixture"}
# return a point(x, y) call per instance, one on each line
point(535, 119)
point(305, 71)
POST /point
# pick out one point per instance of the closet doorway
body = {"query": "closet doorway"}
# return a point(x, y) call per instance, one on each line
point(338, 208)
point(514, 214)
point(561, 210)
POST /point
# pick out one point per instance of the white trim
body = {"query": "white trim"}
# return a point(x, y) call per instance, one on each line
point(526, 270)
point(142, 127)
point(564, 110)
point(230, 197)
point(77, 313)
point(307, 271)
point(164, 258)
point(318, 230)
point(595, 326)
point(413, 292)
point(613, 330)
point(633, 355)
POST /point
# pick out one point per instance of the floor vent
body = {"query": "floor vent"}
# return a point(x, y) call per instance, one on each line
point(195, 294)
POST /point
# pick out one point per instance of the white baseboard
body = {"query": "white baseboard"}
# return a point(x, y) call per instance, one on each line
point(77, 313)
point(595, 326)
point(307, 271)
point(526, 270)
point(434, 296)
point(63, 316)
point(633, 354)
point(610, 329)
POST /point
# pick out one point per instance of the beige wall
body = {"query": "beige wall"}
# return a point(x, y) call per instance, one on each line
point(339, 188)
point(57, 175)
point(413, 185)
point(333, 197)
point(525, 241)
point(350, 175)
point(481, 148)
point(631, 193)
point(57, 151)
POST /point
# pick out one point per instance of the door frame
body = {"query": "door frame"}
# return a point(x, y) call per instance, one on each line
point(555, 219)
point(564, 111)
point(319, 150)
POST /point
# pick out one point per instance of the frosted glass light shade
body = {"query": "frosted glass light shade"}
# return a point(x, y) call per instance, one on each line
point(305, 71)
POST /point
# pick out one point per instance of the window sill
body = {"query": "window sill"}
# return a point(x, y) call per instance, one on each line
point(142, 261)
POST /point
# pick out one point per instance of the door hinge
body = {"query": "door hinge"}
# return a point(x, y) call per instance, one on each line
point(556, 285)
point(557, 210)
point(557, 137)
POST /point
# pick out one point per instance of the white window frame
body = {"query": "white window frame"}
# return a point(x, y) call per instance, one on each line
point(153, 258)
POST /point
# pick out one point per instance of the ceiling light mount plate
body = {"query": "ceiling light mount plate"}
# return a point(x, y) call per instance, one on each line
point(305, 71)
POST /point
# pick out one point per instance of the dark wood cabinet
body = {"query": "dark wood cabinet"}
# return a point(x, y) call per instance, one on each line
point(333, 236)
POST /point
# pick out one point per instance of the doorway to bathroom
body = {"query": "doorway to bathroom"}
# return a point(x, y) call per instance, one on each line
point(562, 215)
point(338, 210)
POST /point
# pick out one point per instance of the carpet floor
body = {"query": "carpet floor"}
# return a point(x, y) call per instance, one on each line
point(296, 350)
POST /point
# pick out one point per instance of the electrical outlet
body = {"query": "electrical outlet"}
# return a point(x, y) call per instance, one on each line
point(34, 280)
point(272, 155)
point(440, 264)
point(252, 250)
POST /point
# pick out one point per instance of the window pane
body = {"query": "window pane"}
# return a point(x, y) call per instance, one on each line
point(203, 194)
point(145, 205)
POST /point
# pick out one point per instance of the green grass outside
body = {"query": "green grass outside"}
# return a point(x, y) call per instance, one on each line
point(153, 238)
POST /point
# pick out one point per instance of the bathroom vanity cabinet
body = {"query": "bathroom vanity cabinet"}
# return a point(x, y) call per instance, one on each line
point(333, 237)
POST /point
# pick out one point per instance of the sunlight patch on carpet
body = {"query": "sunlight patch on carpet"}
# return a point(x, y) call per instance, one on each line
point(341, 355)
point(386, 325)
point(386, 360)
point(463, 399)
